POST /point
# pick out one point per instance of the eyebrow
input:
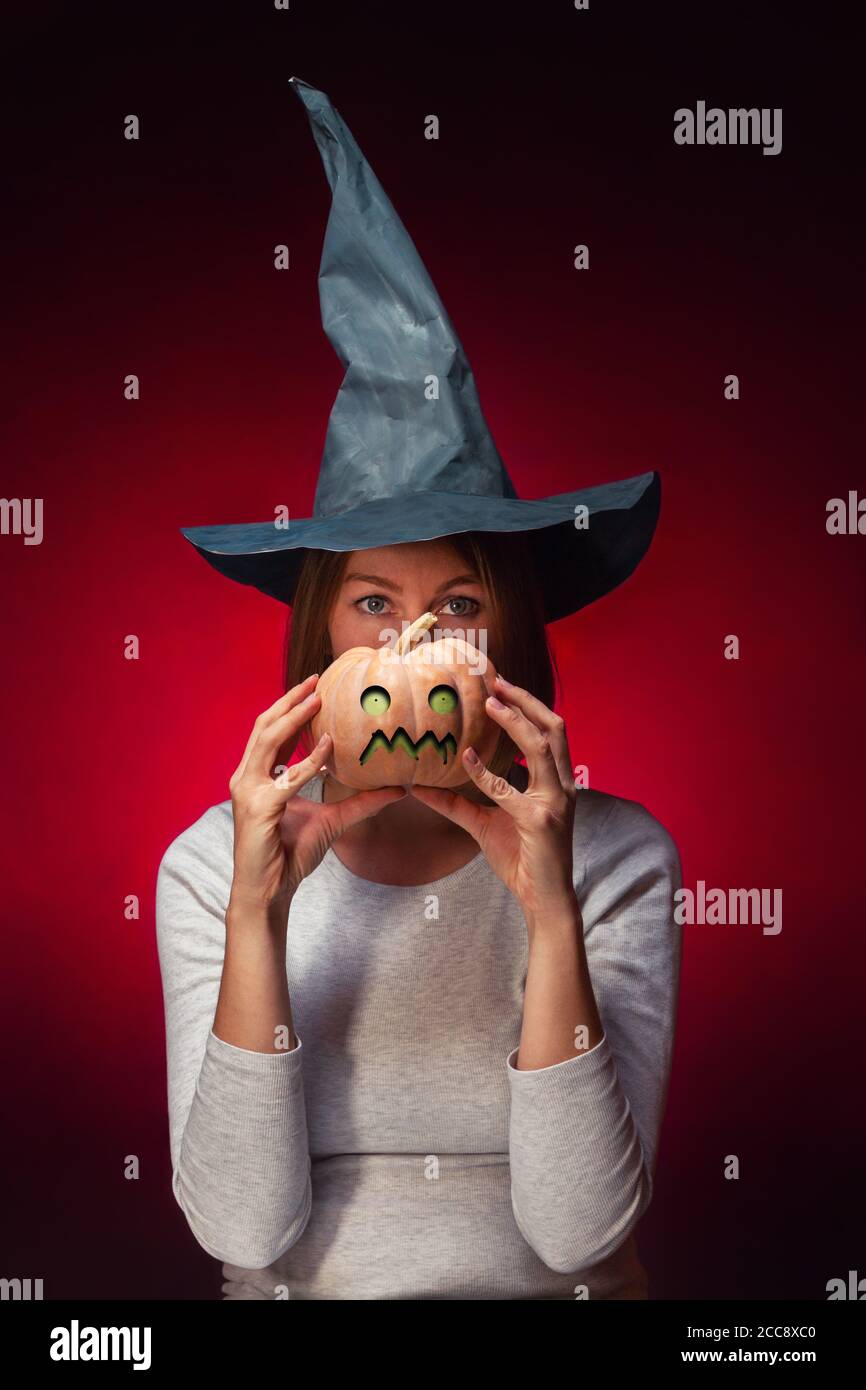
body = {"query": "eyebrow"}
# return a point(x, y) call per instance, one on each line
point(398, 588)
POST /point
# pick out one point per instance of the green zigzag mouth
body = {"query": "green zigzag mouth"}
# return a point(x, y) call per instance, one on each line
point(400, 739)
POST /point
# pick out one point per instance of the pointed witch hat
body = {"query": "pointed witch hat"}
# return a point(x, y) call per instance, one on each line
point(408, 454)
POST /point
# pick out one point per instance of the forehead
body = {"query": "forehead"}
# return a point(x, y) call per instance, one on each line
point(410, 560)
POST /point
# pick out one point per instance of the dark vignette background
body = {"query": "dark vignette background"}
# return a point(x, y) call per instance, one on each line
point(156, 258)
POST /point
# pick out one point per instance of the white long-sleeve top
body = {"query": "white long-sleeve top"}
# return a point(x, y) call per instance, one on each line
point(396, 1151)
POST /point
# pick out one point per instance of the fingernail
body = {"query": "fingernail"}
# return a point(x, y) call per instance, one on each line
point(497, 704)
point(471, 755)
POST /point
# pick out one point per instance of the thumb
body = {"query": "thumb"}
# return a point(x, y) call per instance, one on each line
point(459, 809)
point(363, 804)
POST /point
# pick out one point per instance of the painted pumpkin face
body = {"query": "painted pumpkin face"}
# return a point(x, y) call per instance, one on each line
point(404, 715)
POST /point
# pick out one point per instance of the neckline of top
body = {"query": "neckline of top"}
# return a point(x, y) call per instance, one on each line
point(334, 863)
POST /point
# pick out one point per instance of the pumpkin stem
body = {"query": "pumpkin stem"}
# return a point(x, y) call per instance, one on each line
point(413, 633)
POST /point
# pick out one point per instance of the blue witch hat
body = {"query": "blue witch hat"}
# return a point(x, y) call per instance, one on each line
point(408, 454)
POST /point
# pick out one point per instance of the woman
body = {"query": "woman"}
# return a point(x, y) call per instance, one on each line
point(419, 1040)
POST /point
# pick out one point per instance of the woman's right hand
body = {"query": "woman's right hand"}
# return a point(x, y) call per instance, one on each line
point(280, 837)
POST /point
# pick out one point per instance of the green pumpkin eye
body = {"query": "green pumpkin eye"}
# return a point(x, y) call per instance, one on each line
point(375, 700)
point(442, 699)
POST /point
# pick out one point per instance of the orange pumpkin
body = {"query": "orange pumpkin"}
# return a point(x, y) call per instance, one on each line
point(404, 715)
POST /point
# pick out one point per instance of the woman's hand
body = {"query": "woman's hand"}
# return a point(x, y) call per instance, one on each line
point(280, 837)
point(527, 836)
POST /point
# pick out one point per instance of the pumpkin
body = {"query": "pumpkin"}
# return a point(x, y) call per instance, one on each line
point(404, 715)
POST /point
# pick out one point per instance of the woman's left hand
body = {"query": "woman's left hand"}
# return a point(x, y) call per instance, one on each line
point(527, 836)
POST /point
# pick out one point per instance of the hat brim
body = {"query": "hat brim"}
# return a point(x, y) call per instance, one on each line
point(576, 565)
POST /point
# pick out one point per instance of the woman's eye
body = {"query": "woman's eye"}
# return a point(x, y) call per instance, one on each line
point(462, 598)
point(370, 598)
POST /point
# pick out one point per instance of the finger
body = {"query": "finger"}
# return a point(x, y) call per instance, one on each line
point(552, 724)
point(342, 814)
point(532, 742)
point(291, 779)
point(459, 809)
point(292, 697)
point(498, 789)
point(276, 741)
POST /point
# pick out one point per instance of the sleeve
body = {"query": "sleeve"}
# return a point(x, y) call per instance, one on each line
point(584, 1132)
point(237, 1119)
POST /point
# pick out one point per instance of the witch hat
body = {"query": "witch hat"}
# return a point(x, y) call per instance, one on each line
point(408, 454)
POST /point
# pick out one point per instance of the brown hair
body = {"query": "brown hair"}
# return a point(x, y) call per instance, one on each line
point(504, 565)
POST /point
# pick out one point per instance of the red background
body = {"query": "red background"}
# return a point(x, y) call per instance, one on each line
point(156, 258)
